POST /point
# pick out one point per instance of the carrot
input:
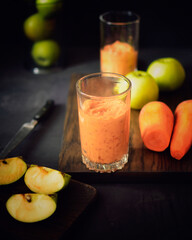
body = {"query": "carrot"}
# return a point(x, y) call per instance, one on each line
point(156, 124)
point(182, 133)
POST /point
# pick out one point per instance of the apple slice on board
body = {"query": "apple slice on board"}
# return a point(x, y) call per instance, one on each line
point(31, 207)
point(11, 170)
point(45, 180)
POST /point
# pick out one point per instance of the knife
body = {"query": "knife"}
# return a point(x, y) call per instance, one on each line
point(26, 128)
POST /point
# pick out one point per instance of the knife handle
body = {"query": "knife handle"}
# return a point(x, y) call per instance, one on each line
point(44, 110)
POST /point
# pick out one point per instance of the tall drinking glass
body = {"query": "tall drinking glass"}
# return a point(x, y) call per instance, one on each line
point(104, 120)
point(119, 36)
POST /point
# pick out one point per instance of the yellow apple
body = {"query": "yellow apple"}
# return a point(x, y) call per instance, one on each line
point(144, 89)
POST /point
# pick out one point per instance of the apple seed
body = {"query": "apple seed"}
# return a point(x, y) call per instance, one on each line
point(28, 197)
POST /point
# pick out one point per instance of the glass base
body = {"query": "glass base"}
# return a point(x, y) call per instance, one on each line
point(38, 70)
point(30, 65)
point(105, 168)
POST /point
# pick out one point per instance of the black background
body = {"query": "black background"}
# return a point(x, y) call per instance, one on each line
point(163, 23)
point(121, 211)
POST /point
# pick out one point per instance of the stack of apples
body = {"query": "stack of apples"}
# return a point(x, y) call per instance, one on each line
point(40, 29)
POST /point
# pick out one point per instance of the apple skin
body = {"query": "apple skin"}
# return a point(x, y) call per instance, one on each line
point(37, 28)
point(49, 8)
point(168, 73)
point(144, 89)
point(45, 53)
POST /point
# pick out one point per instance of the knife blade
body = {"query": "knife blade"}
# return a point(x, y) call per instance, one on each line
point(26, 128)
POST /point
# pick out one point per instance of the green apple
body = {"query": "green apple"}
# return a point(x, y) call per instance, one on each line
point(45, 180)
point(144, 89)
point(37, 28)
point(45, 53)
point(11, 170)
point(167, 72)
point(31, 207)
point(49, 8)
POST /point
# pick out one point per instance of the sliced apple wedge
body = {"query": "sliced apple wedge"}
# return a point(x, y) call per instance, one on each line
point(11, 169)
point(31, 207)
point(45, 180)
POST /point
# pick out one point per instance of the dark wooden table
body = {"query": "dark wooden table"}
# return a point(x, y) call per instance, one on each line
point(142, 207)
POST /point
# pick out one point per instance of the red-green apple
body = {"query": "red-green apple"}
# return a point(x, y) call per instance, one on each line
point(37, 28)
point(45, 180)
point(144, 89)
point(31, 207)
point(168, 73)
point(11, 170)
point(45, 53)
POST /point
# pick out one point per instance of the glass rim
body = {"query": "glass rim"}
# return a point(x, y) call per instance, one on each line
point(102, 19)
point(100, 74)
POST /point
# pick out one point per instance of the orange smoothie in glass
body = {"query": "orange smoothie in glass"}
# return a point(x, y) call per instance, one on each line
point(104, 130)
point(118, 57)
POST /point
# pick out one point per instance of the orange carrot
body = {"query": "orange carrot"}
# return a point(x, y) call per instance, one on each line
point(182, 133)
point(156, 124)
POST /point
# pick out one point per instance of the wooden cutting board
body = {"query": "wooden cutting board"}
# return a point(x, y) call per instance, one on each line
point(142, 163)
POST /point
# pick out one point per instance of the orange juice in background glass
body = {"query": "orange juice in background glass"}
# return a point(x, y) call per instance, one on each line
point(119, 33)
point(104, 120)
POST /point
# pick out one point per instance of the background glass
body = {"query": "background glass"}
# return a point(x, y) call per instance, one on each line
point(119, 37)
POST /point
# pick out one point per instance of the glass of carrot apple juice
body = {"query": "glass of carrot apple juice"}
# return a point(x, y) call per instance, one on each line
point(119, 36)
point(104, 120)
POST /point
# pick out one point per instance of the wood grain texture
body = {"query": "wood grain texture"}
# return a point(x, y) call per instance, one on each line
point(141, 160)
